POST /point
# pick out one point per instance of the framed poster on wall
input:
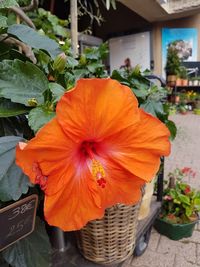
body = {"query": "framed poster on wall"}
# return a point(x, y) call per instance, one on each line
point(184, 39)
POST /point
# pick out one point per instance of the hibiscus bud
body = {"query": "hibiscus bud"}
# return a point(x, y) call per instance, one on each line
point(32, 102)
point(59, 62)
point(83, 60)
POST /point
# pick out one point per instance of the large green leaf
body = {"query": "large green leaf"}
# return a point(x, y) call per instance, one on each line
point(34, 39)
point(72, 62)
point(57, 91)
point(8, 108)
point(93, 66)
point(184, 199)
point(21, 82)
point(13, 182)
point(8, 3)
point(31, 251)
point(3, 21)
point(172, 128)
point(153, 107)
point(38, 117)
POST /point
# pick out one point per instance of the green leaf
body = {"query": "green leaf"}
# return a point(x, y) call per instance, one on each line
point(188, 211)
point(8, 3)
point(80, 73)
point(197, 203)
point(141, 93)
point(184, 199)
point(9, 109)
point(34, 39)
point(153, 107)
point(38, 117)
point(72, 62)
point(22, 81)
point(117, 75)
point(13, 182)
point(172, 128)
point(93, 66)
point(61, 31)
point(3, 21)
point(31, 251)
point(57, 91)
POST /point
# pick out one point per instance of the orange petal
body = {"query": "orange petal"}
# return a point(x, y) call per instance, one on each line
point(96, 108)
point(138, 148)
point(76, 204)
point(121, 186)
point(52, 151)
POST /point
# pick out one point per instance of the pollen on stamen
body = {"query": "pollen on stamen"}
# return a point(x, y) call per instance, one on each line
point(98, 173)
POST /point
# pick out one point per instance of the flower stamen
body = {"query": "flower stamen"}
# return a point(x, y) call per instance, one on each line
point(98, 173)
point(88, 148)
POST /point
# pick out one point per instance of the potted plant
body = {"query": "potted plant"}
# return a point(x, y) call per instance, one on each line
point(172, 65)
point(180, 207)
point(182, 79)
point(182, 108)
point(172, 109)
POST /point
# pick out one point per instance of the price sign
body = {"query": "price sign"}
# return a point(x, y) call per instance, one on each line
point(17, 220)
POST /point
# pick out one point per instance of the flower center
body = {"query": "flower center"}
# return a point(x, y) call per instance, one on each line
point(95, 166)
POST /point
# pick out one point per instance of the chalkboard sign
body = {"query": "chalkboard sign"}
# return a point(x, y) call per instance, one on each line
point(17, 220)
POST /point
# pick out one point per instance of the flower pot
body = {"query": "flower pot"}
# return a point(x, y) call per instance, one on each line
point(111, 239)
point(174, 231)
point(171, 80)
point(178, 82)
point(184, 82)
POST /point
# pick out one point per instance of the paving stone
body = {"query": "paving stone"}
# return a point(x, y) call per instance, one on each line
point(153, 259)
point(186, 250)
point(197, 227)
point(198, 254)
point(195, 238)
point(181, 262)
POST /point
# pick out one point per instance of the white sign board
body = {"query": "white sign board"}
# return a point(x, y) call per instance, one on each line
point(135, 46)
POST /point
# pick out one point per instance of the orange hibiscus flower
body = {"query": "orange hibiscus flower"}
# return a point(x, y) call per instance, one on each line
point(98, 151)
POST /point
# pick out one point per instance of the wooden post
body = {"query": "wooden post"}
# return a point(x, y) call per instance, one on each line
point(52, 5)
point(74, 26)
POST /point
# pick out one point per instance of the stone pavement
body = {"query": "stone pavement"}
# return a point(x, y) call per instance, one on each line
point(161, 251)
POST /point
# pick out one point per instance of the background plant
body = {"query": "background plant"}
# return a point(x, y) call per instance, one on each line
point(181, 203)
point(173, 62)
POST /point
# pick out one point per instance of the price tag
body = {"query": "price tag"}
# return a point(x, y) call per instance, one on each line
point(17, 220)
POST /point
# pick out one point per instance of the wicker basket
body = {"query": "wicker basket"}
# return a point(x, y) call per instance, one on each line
point(111, 239)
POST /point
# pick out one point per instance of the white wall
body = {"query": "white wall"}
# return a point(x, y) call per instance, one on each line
point(135, 46)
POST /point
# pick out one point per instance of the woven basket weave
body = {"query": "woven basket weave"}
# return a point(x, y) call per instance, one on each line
point(111, 239)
